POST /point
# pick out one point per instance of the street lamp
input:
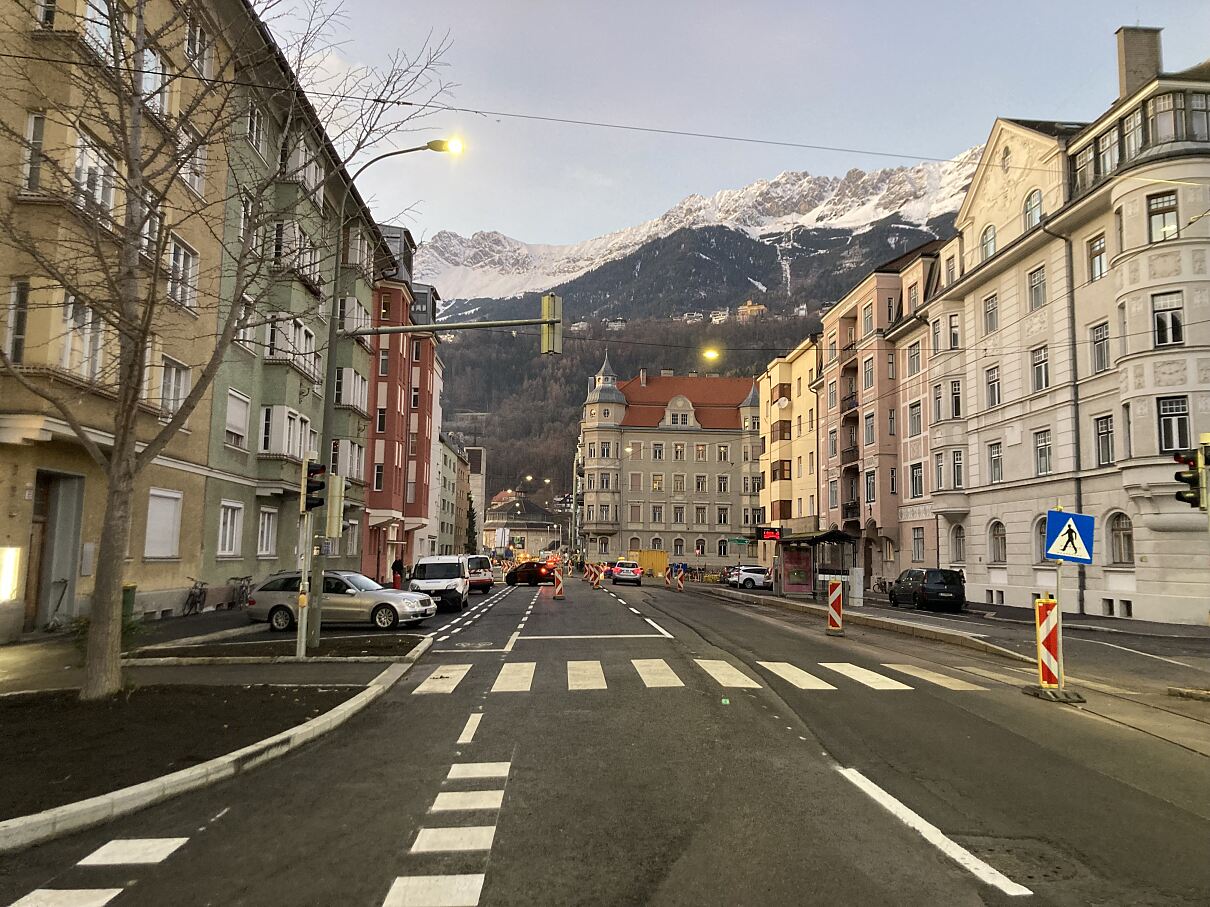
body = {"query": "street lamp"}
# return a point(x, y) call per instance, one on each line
point(310, 622)
point(710, 354)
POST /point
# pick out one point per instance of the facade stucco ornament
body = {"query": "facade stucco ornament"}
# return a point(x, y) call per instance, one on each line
point(1171, 372)
point(1140, 377)
point(1133, 266)
point(1037, 324)
point(1201, 300)
point(1132, 208)
point(1141, 407)
point(1135, 304)
point(1197, 261)
point(1203, 372)
point(1164, 264)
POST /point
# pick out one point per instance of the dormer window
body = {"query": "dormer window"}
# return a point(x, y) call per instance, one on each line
point(987, 243)
point(1033, 209)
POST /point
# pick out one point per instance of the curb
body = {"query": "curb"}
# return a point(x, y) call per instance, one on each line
point(268, 660)
point(882, 623)
point(207, 637)
point(23, 831)
point(1184, 693)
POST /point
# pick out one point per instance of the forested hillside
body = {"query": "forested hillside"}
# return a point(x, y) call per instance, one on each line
point(535, 400)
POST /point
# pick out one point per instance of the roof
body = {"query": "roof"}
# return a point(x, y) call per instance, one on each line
point(606, 369)
point(1054, 128)
point(895, 265)
point(520, 510)
point(1200, 72)
point(716, 401)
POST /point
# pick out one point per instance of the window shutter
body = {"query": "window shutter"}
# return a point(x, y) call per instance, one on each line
point(237, 413)
point(163, 523)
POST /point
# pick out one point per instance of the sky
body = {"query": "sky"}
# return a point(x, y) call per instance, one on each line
point(922, 79)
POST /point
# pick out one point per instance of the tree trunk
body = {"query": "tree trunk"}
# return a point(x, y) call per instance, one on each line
point(103, 664)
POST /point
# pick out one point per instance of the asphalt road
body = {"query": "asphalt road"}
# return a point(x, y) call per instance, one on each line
point(635, 746)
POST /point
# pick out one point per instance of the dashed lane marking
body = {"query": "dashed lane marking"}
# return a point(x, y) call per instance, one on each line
point(942, 680)
point(462, 771)
point(68, 897)
point(467, 800)
point(472, 725)
point(454, 840)
point(133, 851)
point(869, 678)
point(796, 676)
point(443, 679)
point(656, 673)
point(726, 674)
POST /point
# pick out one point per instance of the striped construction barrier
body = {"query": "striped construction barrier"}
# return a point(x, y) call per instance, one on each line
point(680, 581)
point(667, 577)
point(835, 608)
point(1050, 643)
point(559, 583)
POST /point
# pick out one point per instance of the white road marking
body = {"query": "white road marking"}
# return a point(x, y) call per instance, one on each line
point(726, 674)
point(461, 771)
point(942, 680)
point(131, 851)
point(443, 629)
point(435, 891)
point(68, 897)
point(443, 679)
point(459, 630)
point(1080, 681)
point(635, 610)
point(585, 675)
point(443, 638)
point(512, 641)
point(605, 636)
point(871, 679)
point(515, 677)
point(472, 725)
point(656, 673)
point(663, 632)
point(796, 676)
point(455, 800)
point(984, 872)
point(1135, 651)
point(991, 675)
point(621, 601)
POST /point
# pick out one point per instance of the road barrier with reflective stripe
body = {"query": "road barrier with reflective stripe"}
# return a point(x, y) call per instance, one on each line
point(835, 608)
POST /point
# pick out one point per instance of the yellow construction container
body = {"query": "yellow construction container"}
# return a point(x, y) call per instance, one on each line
point(652, 561)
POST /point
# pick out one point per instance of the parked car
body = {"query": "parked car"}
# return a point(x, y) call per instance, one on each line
point(754, 578)
point(348, 597)
point(626, 572)
point(481, 576)
point(929, 588)
point(531, 573)
point(733, 573)
point(444, 577)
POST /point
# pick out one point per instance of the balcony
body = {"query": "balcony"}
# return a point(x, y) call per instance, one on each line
point(953, 505)
point(848, 353)
point(849, 455)
point(851, 510)
point(848, 403)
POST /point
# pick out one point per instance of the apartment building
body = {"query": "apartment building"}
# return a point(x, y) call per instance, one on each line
point(1080, 291)
point(670, 462)
point(452, 491)
point(462, 501)
point(789, 462)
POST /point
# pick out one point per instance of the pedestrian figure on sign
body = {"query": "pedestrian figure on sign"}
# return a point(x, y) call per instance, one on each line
point(1069, 539)
point(397, 573)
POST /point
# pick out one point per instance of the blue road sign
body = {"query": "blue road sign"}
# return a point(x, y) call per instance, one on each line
point(1069, 536)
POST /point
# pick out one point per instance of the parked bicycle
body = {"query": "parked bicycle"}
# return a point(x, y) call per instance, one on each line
point(241, 588)
point(195, 600)
point(881, 584)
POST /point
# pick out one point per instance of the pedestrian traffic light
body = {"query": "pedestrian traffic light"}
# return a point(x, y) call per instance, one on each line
point(1193, 475)
point(312, 486)
point(552, 332)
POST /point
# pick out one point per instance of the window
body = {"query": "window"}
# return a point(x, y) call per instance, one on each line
point(1121, 539)
point(1199, 116)
point(701, 483)
point(1103, 429)
point(938, 471)
point(182, 274)
point(384, 362)
point(724, 482)
point(678, 452)
point(956, 399)
point(606, 449)
point(1040, 368)
point(991, 314)
point(913, 297)
point(892, 484)
point(869, 428)
point(1085, 167)
point(831, 395)
point(997, 544)
point(867, 373)
point(724, 516)
point(936, 402)
point(699, 515)
point(936, 336)
point(1040, 541)
point(154, 88)
point(724, 453)
point(832, 442)
point(196, 46)
point(1174, 423)
point(230, 528)
point(605, 510)
point(1096, 258)
point(603, 545)
point(606, 483)
point(415, 401)
point(379, 469)
point(958, 471)
point(890, 421)
point(1037, 288)
point(987, 243)
point(163, 524)
point(678, 547)
point(18, 320)
point(193, 170)
point(1100, 347)
point(1166, 118)
point(96, 27)
point(1132, 134)
point(255, 130)
point(915, 419)
point(995, 462)
point(416, 348)
point(237, 419)
point(955, 333)
point(678, 482)
point(1119, 227)
point(174, 386)
point(991, 379)
point(916, 480)
point(657, 451)
point(917, 544)
point(833, 493)
point(94, 176)
point(1161, 217)
point(678, 514)
point(1042, 453)
point(1033, 209)
point(657, 482)
point(958, 545)
point(1107, 152)
point(867, 319)
point(913, 359)
point(266, 533)
point(1168, 316)
point(950, 272)
point(34, 155)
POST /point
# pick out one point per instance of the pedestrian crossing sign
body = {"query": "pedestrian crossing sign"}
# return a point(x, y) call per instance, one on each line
point(1069, 536)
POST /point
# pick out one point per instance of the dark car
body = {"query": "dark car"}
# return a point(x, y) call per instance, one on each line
point(929, 588)
point(531, 573)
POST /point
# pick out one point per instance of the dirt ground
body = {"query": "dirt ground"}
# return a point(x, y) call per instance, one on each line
point(348, 646)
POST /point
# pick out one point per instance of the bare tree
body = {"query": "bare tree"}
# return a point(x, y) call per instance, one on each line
point(127, 121)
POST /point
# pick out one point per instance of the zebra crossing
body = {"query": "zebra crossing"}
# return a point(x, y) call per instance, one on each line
point(657, 673)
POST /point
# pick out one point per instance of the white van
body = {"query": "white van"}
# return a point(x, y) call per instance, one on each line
point(480, 567)
point(445, 578)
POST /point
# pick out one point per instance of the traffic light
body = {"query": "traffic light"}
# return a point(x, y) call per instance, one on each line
point(1193, 475)
point(552, 334)
point(312, 486)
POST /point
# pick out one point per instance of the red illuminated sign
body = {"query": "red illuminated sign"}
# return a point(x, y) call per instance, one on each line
point(769, 533)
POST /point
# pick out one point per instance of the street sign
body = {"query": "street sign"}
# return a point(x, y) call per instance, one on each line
point(1069, 536)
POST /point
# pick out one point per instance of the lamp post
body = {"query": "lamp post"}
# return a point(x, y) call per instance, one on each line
point(311, 617)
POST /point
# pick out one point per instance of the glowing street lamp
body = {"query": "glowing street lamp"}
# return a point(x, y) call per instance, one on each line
point(710, 354)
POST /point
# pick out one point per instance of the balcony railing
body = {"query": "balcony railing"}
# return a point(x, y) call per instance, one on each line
point(848, 402)
point(849, 455)
point(850, 510)
point(848, 353)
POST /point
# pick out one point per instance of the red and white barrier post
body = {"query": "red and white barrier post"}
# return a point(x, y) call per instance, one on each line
point(668, 577)
point(680, 581)
point(597, 573)
point(1047, 620)
point(559, 583)
point(835, 608)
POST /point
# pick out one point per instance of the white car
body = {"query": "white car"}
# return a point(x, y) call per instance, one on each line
point(445, 577)
point(736, 575)
point(753, 578)
point(626, 572)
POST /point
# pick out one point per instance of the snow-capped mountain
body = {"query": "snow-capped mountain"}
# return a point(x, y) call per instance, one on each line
point(490, 265)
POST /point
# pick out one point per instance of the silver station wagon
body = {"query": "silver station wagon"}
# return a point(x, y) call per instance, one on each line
point(348, 598)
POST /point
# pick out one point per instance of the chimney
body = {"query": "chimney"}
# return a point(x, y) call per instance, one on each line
point(1139, 58)
point(666, 373)
point(642, 377)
